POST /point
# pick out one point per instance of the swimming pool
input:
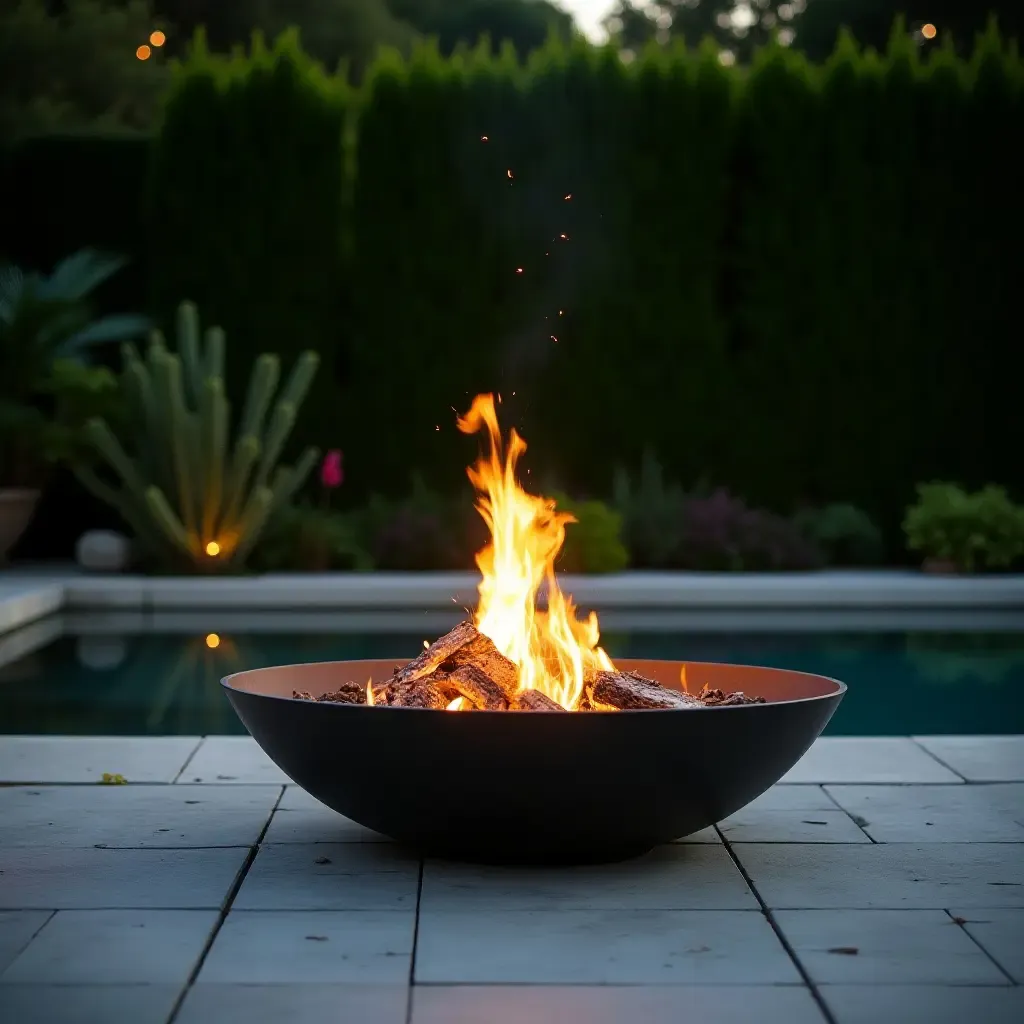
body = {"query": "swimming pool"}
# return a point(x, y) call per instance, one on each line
point(159, 676)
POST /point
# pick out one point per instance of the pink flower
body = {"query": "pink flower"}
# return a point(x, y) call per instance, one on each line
point(331, 474)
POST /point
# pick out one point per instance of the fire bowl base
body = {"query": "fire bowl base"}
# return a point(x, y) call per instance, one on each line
point(535, 787)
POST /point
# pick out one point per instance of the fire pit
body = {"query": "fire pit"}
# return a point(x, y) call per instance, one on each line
point(514, 738)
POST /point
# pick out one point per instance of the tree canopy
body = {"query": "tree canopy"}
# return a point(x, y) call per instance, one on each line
point(75, 66)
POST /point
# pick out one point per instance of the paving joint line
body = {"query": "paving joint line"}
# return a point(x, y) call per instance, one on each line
point(415, 941)
point(773, 924)
point(960, 922)
point(243, 873)
point(188, 760)
point(935, 757)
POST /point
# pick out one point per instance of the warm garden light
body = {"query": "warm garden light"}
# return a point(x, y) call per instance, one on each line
point(143, 52)
point(157, 38)
point(213, 549)
point(212, 640)
point(929, 31)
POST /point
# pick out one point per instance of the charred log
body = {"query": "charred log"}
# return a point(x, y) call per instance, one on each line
point(623, 691)
point(440, 651)
point(720, 699)
point(475, 684)
point(347, 693)
point(534, 700)
point(418, 693)
point(481, 654)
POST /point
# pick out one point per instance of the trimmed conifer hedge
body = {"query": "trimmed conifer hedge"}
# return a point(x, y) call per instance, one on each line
point(797, 281)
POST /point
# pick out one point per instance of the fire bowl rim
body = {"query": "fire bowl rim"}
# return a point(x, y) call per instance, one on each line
point(840, 689)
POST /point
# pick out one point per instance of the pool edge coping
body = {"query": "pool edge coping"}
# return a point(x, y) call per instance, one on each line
point(26, 597)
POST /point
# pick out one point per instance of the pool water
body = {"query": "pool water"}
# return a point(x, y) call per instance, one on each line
point(152, 684)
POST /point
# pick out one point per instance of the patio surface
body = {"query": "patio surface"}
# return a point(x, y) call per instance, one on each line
point(883, 880)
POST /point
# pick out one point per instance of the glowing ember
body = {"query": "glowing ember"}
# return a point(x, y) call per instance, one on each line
point(553, 650)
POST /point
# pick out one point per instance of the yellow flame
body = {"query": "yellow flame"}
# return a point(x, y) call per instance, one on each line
point(554, 649)
point(213, 549)
point(457, 704)
point(212, 640)
point(369, 693)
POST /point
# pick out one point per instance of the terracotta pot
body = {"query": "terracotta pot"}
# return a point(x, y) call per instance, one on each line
point(16, 507)
point(940, 566)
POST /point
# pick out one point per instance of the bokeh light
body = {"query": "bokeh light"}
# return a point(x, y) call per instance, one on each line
point(157, 38)
point(143, 52)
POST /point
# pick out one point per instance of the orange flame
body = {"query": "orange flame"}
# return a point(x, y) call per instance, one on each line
point(369, 693)
point(553, 649)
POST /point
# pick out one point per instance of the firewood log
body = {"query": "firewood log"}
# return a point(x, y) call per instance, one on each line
point(534, 700)
point(475, 684)
point(623, 691)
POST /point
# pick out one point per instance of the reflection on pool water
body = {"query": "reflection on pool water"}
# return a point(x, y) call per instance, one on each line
point(109, 682)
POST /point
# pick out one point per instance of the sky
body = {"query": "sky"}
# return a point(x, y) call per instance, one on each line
point(588, 14)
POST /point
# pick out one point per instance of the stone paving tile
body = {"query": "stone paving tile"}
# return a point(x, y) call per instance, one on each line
point(752, 825)
point(294, 1004)
point(1001, 934)
point(73, 879)
point(300, 818)
point(923, 1004)
point(115, 947)
point(879, 947)
point(625, 947)
point(232, 759)
point(937, 814)
point(979, 758)
point(87, 1004)
point(330, 876)
point(673, 877)
point(55, 759)
point(16, 930)
point(705, 835)
point(312, 946)
point(606, 1004)
point(134, 816)
point(867, 759)
point(786, 797)
point(898, 876)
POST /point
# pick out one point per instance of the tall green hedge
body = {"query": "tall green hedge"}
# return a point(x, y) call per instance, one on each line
point(245, 209)
point(792, 280)
point(798, 281)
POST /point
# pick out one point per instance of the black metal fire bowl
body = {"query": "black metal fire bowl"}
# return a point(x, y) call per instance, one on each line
point(535, 787)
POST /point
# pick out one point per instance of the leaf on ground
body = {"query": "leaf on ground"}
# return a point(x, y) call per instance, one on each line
point(113, 779)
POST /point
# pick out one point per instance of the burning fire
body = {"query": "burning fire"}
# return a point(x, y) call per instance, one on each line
point(554, 649)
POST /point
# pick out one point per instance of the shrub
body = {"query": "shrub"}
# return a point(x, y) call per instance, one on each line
point(593, 544)
point(415, 533)
point(666, 528)
point(721, 532)
point(310, 539)
point(981, 530)
point(843, 533)
point(652, 512)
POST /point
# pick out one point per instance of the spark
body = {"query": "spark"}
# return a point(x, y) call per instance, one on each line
point(483, 138)
point(519, 270)
point(509, 173)
point(568, 197)
point(565, 237)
